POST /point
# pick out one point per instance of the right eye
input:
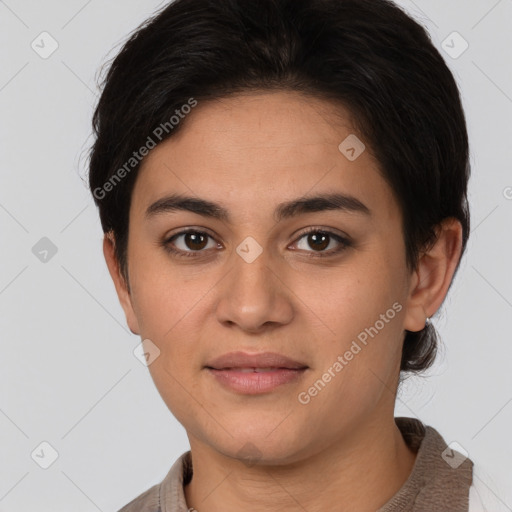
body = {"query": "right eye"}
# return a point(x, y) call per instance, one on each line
point(186, 243)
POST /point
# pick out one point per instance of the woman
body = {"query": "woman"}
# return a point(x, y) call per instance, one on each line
point(282, 186)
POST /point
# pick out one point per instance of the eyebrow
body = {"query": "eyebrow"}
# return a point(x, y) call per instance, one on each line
point(286, 210)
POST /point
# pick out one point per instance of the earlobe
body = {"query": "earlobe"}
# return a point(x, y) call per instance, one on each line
point(432, 278)
point(120, 284)
point(415, 312)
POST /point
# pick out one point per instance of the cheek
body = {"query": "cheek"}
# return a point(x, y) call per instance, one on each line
point(360, 310)
point(344, 300)
point(164, 296)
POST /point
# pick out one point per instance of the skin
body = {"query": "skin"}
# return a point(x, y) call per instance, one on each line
point(342, 447)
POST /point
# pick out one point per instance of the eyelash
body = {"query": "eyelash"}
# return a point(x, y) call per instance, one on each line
point(345, 243)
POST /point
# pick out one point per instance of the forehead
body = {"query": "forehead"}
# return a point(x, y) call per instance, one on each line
point(262, 148)
point(278, 122)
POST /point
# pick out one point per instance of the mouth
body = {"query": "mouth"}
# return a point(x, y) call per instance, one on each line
point(260, 361)
point(253, 370)
point(255, 373)
point(255, 381)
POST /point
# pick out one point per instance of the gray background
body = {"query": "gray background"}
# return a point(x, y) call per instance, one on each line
point(68, 373)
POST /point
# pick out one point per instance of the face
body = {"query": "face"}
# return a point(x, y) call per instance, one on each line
point(322, 283)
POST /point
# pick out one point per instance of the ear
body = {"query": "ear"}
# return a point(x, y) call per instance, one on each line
point(120, 284)
point(432, 278)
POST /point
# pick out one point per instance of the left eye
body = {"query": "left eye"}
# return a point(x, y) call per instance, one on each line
point(319, 240)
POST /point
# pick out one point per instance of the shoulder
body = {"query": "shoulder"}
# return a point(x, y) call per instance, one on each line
point(148, 501)
point(168, 494)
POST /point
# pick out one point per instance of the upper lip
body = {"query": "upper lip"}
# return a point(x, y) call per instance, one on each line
point(261, 360)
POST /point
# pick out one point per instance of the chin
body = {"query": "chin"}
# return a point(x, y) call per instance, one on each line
point(258, 448)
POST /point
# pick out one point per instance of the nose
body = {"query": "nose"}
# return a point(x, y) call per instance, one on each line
point(254, 295)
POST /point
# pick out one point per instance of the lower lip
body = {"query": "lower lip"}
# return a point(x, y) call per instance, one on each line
point(253, 383)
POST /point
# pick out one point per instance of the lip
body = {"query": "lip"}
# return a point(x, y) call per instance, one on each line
point(253, 374)
point(233, 360)
point(255, 383)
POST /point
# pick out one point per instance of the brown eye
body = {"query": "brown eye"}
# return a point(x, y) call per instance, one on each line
point(189, 242)
point(317, 241)
point(195, 241)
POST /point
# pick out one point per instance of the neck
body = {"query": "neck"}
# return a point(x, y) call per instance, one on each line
point(360, 473)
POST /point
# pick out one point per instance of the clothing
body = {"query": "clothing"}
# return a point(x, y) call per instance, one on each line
point(440, 480)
